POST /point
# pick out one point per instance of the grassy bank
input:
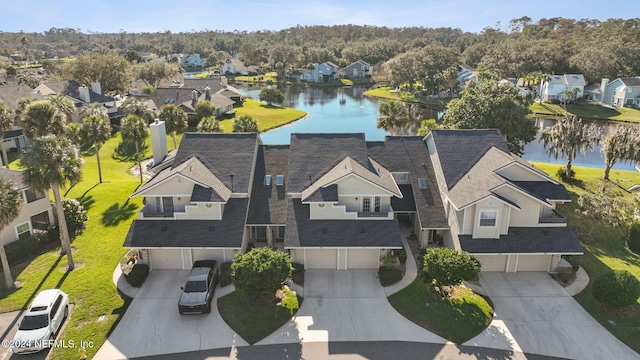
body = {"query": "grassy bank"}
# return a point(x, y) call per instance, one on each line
point(385, 93)
point(268, 117)
point(589, 110)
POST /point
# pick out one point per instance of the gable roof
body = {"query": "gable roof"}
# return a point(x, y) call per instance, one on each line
point(228, 156)
point(630, 81)
point(71, 88)
point(567, 79)
point(10, 95)
point(14, 177)
point(269, 202)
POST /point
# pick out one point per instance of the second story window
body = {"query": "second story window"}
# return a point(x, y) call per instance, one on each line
point(402, 178)
point(280, 180)
point(267, 180)
point(488, 218)
point(422, 182)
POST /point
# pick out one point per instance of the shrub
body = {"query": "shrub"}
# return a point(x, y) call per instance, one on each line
point(387, 261)
point(633, 238)
point(147, 90)
point(389, 275)
point(562, 175)
point(618, 288)
point(76, 216)
point(33, 245)
point(446, 267)
point(402, 255)
point(298, 273)
point(137, 275)
point(225, 274)
point(289, 299)
point(260, 271)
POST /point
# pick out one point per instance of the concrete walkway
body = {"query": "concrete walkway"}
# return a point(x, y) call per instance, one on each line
point(579, 284)
point(411, 269)
point(122, 284)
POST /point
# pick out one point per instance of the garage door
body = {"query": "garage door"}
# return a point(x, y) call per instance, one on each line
point(208, 254)
point(533, 262)
point(321, 259)
point(165, 259)
point(363, 259)
point(492, 262)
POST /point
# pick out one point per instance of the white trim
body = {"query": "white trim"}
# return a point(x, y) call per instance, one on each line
point(398, 194)
point(515, 162)
point(29, 228)
point(522, 192)
point(346, 259)
point(508, 263)
point(182, 257)
point(495, 224)
point(515, 270)
point(144, 191)
point(483, 198)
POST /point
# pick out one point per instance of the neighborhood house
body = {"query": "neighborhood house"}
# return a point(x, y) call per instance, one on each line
point(621, 92)
point(554, 87)
point(337, 201)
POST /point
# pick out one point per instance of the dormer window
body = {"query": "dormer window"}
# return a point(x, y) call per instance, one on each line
point(422, 182)
point(267, 180)
point(402, 178)
point(280, 180)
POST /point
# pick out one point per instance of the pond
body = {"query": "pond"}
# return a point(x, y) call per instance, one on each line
point(347, 109)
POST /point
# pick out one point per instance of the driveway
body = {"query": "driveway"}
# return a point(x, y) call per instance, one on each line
point(534, 314)
point(347, 306)
point(152, 325)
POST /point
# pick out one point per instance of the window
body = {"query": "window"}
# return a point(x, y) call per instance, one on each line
point(167, 204)
point(267, 180)
point(23, 230)
point(158, 204)
point(488, 218)
point(402, 178)
point(366, 204)
point(33, 196)
point(280, 180)
point(422, 182)
point(376, 204)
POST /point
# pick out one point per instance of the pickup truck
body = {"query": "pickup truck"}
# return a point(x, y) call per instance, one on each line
point(198, 291)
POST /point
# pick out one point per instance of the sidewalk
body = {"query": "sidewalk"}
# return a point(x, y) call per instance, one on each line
point(411, 270)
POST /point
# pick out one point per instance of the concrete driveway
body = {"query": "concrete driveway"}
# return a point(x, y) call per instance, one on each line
point(347, 306)
point(152, 325)
point(535, 315)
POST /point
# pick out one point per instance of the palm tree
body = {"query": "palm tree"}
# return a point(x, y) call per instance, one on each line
point(9, 210)
point(394, 114)
point(174, 119)
point(74, 134)
point(567, 137)
point(41, 118)
point(135, 106)
point(6, 124)
point(96, 130)
point(27, 78)
point(51, 162)
point(245, 123)
point(134, 129)
point(63, 104)
point(94, 108)
point(209, 124)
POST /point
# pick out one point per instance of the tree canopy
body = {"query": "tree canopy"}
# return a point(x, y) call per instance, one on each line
point(271, 96)
point(261, 270)
point(245, 123)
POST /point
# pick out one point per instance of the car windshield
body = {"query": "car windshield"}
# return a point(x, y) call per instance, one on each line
point(32, 322)
point(195, 286)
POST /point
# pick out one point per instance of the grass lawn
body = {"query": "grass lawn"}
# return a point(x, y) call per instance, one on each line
point(268, 117)
point(271, 77)
point(383, 93)
point(590, 110)
point(458, 318)
point(252, 323)
point(605, 249)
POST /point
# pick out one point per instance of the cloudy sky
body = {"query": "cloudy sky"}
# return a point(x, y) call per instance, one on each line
point(184, 16)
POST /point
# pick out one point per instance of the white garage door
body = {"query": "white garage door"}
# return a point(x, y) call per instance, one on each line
point(363, 258)
point(321, 259)
point(165, 259)
point(533, 262)
point(492, 262)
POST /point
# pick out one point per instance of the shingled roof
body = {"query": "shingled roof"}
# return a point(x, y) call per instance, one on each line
point(14, 177)
point(10, 95)
point(269, 202)
point(526, 240)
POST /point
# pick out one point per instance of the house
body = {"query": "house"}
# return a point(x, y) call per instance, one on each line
point(337, 201)
point(553, 87)
point(80, 95)
point(36, 212)
point(191, 61)
point(621, 92)
point(356, 70)
point(235, 66)
point(324, 72)
point(467, 75)
point(11, 95)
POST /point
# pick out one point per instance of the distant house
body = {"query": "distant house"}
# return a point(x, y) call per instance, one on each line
point(191, 61)
point(80, 95)
point(235, 66)
point(554, 86)
point(36, 212)
point(11, 95)
point(324, 72)
point(621, 92)
point(467, 75)
point(357, 70)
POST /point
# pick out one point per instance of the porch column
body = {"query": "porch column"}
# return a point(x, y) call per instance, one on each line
point(270, 241)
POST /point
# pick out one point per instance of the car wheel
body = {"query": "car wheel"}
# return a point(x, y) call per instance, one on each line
point(181, 312)
point(66, 312)
point(208, 308)
point(52, 339)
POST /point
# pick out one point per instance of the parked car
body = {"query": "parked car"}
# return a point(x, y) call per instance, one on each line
point(198, 291)
point(42, 322)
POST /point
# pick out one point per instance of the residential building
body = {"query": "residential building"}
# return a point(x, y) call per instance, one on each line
point(191, 61)
point(553, 87)
point(80, 95)
point(337, 201)
point(235, 66)
point(356, 70)
point(324, 72)
point(11, 95)
point(621, 92)
point(36, 213)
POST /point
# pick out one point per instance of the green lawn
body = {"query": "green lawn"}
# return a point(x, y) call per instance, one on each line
point(458, 317)
point(253, 323)
point(590, 110)
point(271, 77)
point(605, 248)
point(268, 117)
point(383, 93)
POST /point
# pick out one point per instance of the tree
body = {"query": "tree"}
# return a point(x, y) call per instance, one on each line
point(27, 78)
point(96, 130)
point(74, 134)
point(449, 78)
point(604, 205)
point(245, 123)
point(41, 118)
point(63, 104)
point(94, 108)
point(567, 137)
point(448, 267)
point(6, 124)
point(175, 120)
point(618, 288)
point(393, 115)
point(113, 72)
point(75, 215)
point(137, 107)
point(134, 129)
point(492, 105)
point(51, 162)
point(426, 126)
point(10, 203)
point(271, 96)
point(620, 143)
point(209, 124)
point(154, 71)
point(204, 109)
point(259, 271)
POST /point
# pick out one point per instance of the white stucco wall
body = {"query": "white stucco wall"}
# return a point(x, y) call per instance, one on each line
point(9, 234)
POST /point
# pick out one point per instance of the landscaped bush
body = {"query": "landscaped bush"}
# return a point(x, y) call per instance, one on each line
point(259, 273)
point(402, 256)
point(562, 175)
point(298, 273)
point(225, 274)
point(446, 267)
point(633, 238)
point(618, 288)
point(76, 216)
point(137, 275)
point(389, 275)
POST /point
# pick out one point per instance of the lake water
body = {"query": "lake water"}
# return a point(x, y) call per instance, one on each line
point(349, 110)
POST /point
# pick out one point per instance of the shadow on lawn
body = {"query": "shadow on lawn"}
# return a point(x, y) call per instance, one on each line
point(116, 213)
point(126, 151)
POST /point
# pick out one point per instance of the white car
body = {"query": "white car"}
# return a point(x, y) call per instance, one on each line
point(42, 322)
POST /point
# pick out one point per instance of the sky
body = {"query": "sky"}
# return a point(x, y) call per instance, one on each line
point(113, 16)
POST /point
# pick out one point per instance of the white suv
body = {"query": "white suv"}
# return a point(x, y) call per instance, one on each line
point(42, 322)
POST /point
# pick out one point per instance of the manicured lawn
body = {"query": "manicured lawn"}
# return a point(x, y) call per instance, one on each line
point(268, 117)
point(458, 318)
point(590, 110)
point(383, 93)
point(271, 77)
point(605, 249)
point(252, 323)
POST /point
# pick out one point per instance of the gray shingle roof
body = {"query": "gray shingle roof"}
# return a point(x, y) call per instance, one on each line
point(313, 155)
point(14, 177)
point(228, 156)
point(324, 194)
point(631, 81)
point(71, 88)
point(205, 194)
point(225, 233)
point(407, 202)
point(544, 190)
point(269, 202)
point(303, 232)
point(526, 240)
point(13, 133)
point(10, 95)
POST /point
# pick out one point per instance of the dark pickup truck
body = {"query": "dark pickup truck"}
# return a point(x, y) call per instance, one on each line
point(198, 291)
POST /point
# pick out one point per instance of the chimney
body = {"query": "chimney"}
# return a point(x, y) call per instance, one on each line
point(96, 88)
point(207, 93)
point(603, 89)
point(158, 140)
point(194, 97)
point(84, 94)
point(223, 81)
point(37, 95)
